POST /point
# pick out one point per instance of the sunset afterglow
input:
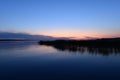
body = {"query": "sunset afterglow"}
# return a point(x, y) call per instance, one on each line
point(61, 18)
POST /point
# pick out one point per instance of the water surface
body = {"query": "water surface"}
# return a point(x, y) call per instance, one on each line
point(31, 61)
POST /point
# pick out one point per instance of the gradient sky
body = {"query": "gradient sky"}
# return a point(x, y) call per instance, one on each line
point(61, 18)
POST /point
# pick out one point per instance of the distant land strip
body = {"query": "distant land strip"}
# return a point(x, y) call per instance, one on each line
point(15, 40)
point(108, 42)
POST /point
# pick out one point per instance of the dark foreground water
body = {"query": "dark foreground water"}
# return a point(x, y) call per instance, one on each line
point(31, 61)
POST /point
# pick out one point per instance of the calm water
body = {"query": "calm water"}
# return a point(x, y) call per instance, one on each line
point(31, 61)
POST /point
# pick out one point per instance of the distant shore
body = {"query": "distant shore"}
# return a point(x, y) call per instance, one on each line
point(97, 46)
point(15, 40)
point(95, 42)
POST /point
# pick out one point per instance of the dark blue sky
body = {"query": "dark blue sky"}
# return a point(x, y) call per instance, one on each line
point(61, 18)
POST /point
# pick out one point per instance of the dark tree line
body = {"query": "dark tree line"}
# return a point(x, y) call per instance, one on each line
point(103, 46)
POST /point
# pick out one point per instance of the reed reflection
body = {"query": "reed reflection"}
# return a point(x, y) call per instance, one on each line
point(90, 49)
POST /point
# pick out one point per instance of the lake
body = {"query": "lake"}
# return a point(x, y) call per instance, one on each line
point(31, 61)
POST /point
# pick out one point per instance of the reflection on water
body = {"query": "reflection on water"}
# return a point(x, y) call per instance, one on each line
point(26, 47)
point(16, 45)
point(90, 49)
point(31, 61)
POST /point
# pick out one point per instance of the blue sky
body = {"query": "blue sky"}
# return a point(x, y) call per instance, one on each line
point(61, 18)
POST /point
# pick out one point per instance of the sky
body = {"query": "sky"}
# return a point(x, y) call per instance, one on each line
point(61, 18)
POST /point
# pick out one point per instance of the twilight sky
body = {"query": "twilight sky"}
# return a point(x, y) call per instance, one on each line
point(61, 18)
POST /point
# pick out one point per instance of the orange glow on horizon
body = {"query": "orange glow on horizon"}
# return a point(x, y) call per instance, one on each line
point(73, 35)
point(76, 34)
